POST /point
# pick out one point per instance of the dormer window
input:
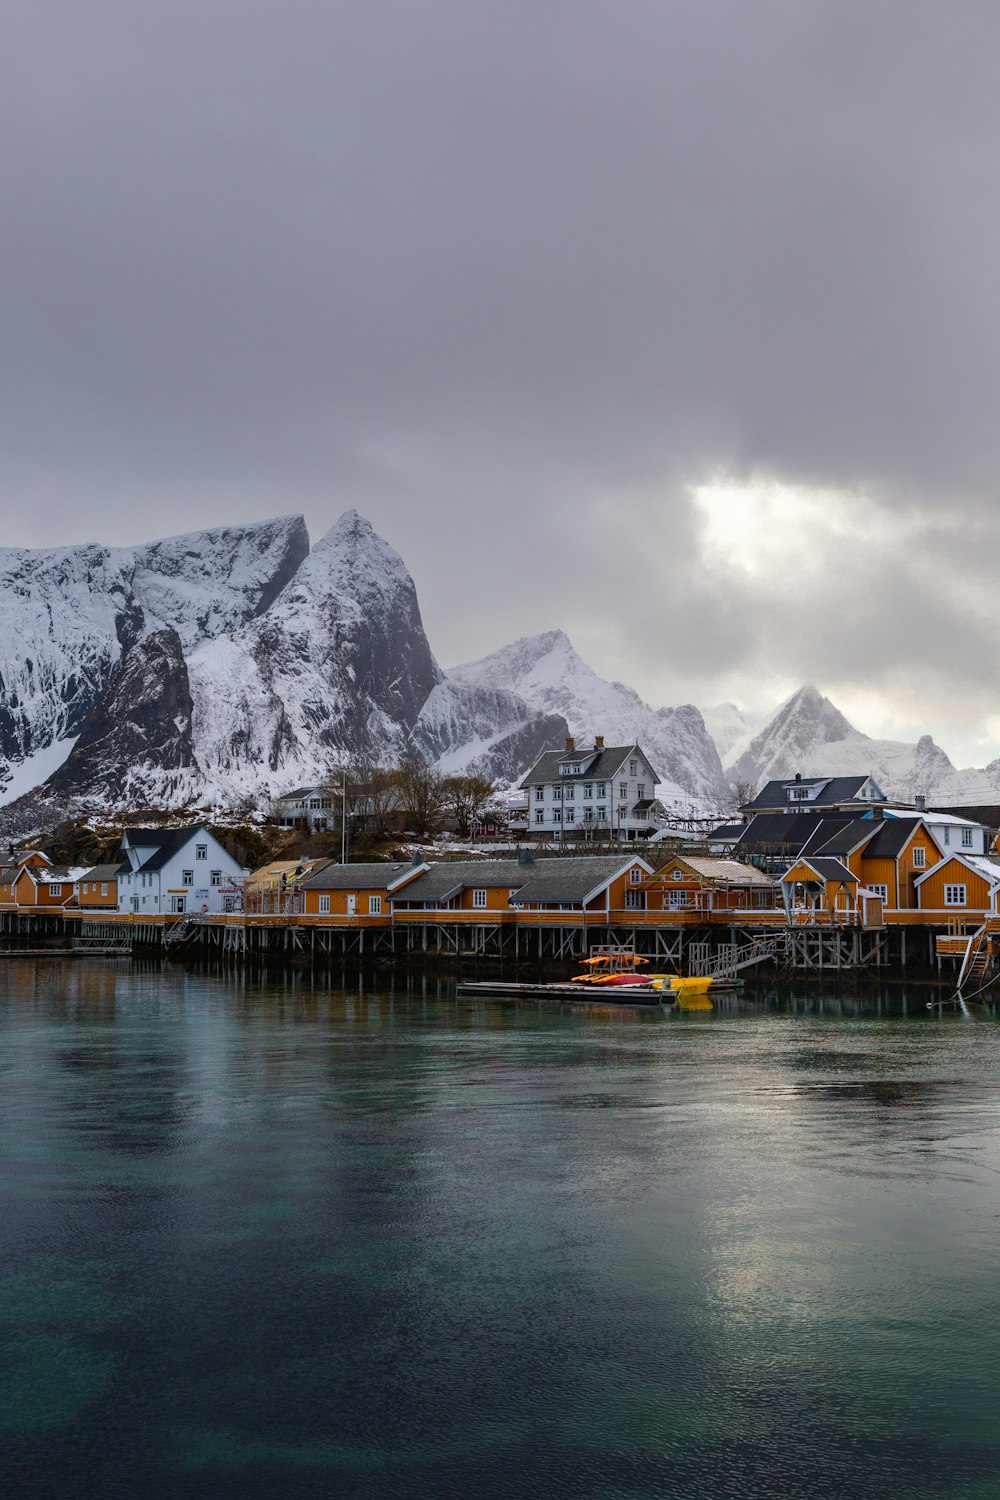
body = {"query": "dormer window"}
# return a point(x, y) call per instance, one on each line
point(798, 794)
point(570, 768)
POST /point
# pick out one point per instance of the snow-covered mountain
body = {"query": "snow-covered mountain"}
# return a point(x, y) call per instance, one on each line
point(226, 666)
point(68, 615)
point(808, 734)
point(729, 728)
point(546, 672)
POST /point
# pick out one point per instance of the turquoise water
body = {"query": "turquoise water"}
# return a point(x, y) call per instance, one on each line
point(281, 1238)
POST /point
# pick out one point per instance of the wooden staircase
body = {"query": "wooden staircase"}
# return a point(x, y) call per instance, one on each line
point(728, 960)
point(976, 963)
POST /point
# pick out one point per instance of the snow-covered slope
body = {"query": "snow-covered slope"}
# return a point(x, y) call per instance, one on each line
point(68, 614)
point(729, 728)
point(808, 734)
point(548, 674)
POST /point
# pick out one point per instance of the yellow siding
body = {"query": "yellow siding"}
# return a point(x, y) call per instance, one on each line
point(497, 898)
point(338, 901)
point(878, 872)
point(953, 872)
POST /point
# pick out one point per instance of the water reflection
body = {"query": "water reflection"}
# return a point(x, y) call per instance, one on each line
point(317, 1234)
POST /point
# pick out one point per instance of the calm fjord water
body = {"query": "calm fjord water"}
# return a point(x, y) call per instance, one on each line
point(266, 1238)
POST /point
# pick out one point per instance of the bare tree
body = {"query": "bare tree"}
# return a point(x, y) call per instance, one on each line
point(421, 796)
point(467, 798)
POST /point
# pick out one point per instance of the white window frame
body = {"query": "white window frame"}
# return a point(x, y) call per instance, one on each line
point(374, 906)
point(55, 890)
point(104, 887)
point(216, 877)
point(201, 851)
point(479, 898)
point(955, 895)
point(919, 857)
point(324, 906)
point(967, 838)
point(634, 875)
point(187, 878)
point(882, 891)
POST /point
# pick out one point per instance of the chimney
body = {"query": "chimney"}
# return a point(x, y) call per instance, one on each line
point(570, 744)
point(798, 776)
point(598, 742)
point(920, 802)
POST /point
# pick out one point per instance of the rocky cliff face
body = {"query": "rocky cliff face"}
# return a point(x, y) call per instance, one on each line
point(804, 724)
point(68, 615)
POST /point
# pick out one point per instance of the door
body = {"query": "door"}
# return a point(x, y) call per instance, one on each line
point(352, 905)
point(177, 904)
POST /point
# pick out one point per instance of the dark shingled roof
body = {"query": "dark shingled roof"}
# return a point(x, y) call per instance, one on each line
point(335, 877)
point(607, 765)
point(444, 880)
point(570, 879)
point(890, 837)
point(168, 842)
point(834, 789)
point(832, 869)
point(791, 831)
point(843, 840)
point(105, 872)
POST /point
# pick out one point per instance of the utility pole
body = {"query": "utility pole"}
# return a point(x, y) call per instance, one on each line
point(343, 817)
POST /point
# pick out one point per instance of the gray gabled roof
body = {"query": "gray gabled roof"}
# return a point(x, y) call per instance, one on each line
point(105, 872)
point(843, 840)
point(605, 767)
point(166, 842)
point(573, 880)
point(831, 869)
point(442, 881)
point(834, 789)
point(891, 837)
point(334, 877)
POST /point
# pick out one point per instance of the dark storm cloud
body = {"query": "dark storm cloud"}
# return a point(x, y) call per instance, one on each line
point(509, 277)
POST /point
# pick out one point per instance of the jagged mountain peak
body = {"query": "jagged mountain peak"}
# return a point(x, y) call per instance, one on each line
point(798, 729)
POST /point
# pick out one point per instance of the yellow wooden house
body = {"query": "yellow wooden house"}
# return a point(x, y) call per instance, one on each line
point(359, 893)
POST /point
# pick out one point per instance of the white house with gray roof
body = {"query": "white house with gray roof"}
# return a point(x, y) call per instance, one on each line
point(593, 789)
point(176, 871)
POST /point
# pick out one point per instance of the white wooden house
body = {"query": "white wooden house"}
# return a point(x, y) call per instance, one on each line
point(176, 871)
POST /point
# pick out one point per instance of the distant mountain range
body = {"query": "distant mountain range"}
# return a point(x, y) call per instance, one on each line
point(229, 665)
point(808, 733)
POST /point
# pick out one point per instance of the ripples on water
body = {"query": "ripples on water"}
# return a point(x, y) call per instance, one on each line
point(271, 1238)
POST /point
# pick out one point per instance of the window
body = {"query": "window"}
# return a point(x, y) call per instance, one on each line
point(622, 812)
point(187, 878)
point(623, 789)
point(954, 895)
point(539, 793)
point(602, 788)
point(556, 815)
point(540, 815)
point(919, 857)
point(947, 835)
point(55, 890)
point(602, 815)
point(557, 793)
point(374, 906)
point(633, 768)
point(201, 851)
point(798, 794)
point(570, 815)
point(635, 900)
point(479, 898)
point(135, 903)
point(640, 790)
point(634, 875)
point(324, 905)
point(104, 887)
point(880, 890)
point(216, 877)
point(966, 838)
point(588, 790)
point(512, 894)
point(677, 875)
point(314, 802)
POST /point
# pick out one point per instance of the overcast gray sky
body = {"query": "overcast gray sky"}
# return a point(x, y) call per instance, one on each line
point(672, 324)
